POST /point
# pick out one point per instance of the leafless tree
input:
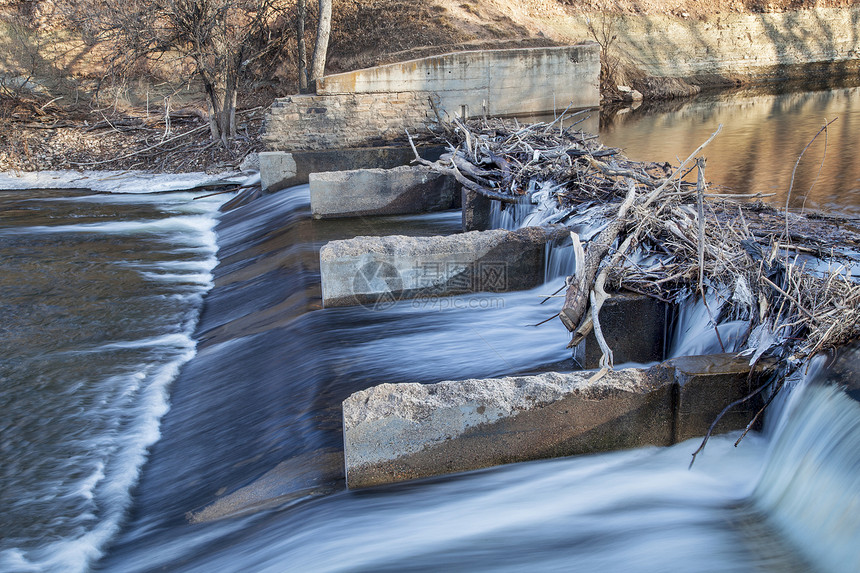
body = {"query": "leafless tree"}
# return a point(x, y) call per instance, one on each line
point(214, 40)
point(301, 14)
point(321, 46)
point(317, 68)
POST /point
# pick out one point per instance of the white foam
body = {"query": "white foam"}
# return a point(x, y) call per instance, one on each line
point(809, 489)
point(109, 486)
point(202, 279)
point(87, 486)
point(189, 203)
point(132, 403)
point(118, 181)
point(14, 560)
point(171, 340)
point(195, 265)
point(181, 224)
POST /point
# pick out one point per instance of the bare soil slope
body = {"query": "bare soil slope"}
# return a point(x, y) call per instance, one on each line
point(372, 32)
point(59, 128)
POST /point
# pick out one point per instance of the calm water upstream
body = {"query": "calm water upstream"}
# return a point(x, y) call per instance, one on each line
point(762, 137)
point(137, 324)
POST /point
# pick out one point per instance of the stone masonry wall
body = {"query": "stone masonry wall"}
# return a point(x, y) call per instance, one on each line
point(756, 45)
point(344, 120)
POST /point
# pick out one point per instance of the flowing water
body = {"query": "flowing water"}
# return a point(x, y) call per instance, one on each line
point(110, 352)
point(100, 298)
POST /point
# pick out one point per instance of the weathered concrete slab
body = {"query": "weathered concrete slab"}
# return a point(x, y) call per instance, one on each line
point(706, 385)
point(634, 327)
point(477, 211)
point(277, 170)
point(381, 270)
point(282, 169)
point(376, 105)
point(502, 82)
point(402, 190)
point(396, 432)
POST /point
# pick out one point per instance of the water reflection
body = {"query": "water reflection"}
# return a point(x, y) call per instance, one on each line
point(762, 137)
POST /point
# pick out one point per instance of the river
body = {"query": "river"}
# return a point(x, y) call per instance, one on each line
point(763, 135)
point(147, 428)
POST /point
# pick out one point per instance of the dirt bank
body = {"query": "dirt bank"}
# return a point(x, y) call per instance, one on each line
point(60, 126)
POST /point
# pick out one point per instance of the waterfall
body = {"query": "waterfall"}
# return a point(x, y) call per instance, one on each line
point(255, 414)
point(694, 332)
point(810, 487)
point(510, 216)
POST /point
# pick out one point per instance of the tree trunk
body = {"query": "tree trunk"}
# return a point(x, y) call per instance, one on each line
point(301, 12)
point(576, 297)
point(214, 107)
point(222, 94)
point(231, 91)
point(321, 47)
point(221, 82)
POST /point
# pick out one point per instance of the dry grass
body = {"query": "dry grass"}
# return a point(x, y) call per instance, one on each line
point(34, 45)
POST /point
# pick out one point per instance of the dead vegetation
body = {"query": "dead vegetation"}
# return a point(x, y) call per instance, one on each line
point(665, 236)
point(44, 60)
point(37, 135)
point(654, 232)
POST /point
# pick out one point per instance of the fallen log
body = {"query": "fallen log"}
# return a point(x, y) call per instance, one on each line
point(461, 179)
point(577, 295)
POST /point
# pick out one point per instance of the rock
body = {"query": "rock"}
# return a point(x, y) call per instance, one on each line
point(251, 162)
point(629, 94)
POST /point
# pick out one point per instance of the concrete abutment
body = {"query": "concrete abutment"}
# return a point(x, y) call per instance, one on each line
point(397, 432)
point(402, 190)
point(373, 270)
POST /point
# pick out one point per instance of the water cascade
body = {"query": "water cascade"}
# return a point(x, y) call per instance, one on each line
point(104, 318)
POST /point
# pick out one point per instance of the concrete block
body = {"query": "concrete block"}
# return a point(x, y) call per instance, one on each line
point(634, 327)
point(396, 432)
point(706, 385)
point(477, 211)
point(277, 169)
point(378, 271)
point(405, 189)
point(468, 81)
point(370, 106)
point(281, 169)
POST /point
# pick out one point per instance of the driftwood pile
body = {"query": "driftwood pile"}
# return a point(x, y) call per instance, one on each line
point(665, 235)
